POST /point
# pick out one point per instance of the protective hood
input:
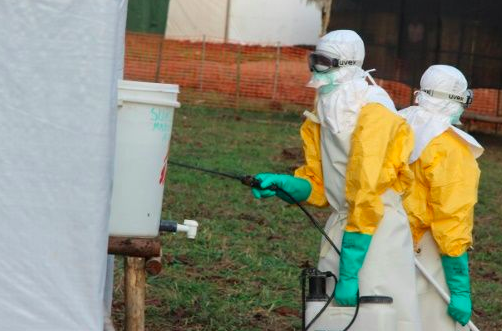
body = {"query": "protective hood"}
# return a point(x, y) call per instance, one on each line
point(428, 125)
point(339, 108)
point(433, 116)
point(344, 45)
point(446, 79)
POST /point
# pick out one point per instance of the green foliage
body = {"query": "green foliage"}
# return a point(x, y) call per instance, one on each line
point(486, 258)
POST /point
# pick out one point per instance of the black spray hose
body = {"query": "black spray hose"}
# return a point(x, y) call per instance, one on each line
point(224, 174)
point(251, 181)
point(309, 215)
point(332, 296)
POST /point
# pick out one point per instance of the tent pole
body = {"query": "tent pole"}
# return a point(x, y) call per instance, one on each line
point(325, 18)
point(227, 20)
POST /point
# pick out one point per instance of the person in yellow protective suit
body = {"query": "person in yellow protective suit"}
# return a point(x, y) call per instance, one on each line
point(440, 203)
point(356, 151)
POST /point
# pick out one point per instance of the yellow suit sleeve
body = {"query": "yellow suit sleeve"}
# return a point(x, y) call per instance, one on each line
point(312, 170)
point(453, 176)
point(381, 145)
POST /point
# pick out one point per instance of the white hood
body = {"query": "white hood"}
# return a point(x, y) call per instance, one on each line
point(339, 109)
point(428, 125)
point(433, 115)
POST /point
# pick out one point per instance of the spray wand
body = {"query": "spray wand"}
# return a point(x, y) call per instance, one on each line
point(253, 182)
point(247, 180)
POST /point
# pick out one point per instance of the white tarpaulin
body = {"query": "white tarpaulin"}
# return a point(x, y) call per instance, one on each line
point(57, 116)
point(265, 22)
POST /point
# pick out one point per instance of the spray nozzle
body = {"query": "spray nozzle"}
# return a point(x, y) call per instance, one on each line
point(253, 182)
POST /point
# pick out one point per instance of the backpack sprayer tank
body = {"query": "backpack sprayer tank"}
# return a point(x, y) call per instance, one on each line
point(374, 313)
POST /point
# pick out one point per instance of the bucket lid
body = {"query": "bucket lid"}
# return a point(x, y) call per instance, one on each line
point(148, 93)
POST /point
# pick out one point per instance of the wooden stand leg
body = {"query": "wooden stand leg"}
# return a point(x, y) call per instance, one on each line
point(135, 277)
point(153, 265)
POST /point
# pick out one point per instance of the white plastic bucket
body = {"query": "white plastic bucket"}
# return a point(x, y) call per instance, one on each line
point(144, 125)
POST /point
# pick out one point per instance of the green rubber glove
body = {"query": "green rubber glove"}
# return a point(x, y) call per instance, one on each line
point(298, 188)
point(456, 271)
point(354, 248)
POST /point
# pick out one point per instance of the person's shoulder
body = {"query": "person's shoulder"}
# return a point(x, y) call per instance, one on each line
point(376, 109)
point(448, 145)
point(379, 114)
point(448, 139)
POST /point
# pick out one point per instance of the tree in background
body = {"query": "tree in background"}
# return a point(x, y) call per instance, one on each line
point(325, 7)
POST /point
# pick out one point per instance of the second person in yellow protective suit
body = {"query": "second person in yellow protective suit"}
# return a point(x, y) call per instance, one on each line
point(356, 162)
point(440, 203)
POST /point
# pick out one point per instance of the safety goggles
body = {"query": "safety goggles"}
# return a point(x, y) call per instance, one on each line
point(465, 99)
point(321, 63)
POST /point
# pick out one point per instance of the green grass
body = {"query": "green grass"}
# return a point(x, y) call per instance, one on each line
point(241, 272)
point(486, 259)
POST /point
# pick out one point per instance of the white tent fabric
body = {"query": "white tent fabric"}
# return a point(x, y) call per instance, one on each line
point(119, 65)
point(57, 116)
point(191, 19)
point(264, 22)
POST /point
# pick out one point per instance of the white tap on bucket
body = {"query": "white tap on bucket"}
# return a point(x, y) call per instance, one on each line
point(188, 226)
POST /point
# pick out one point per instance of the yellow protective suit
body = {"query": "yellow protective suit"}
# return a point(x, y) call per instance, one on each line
point(380, 146)
point(440, 205)
point(359, 172)
point(443, 195)
point(312, 170)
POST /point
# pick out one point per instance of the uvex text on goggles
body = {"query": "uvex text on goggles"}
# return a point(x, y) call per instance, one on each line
point(322, 63)
point(465, 99)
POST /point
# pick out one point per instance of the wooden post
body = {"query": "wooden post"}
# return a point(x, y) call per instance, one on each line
point(153, 265)
point(227, 21)
point(499, 108)
point(135, 280)
point(238, 77)
point(202, 61)
point(138, 247)
point(159, 60)
point(135, 252)
point(276, 74)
